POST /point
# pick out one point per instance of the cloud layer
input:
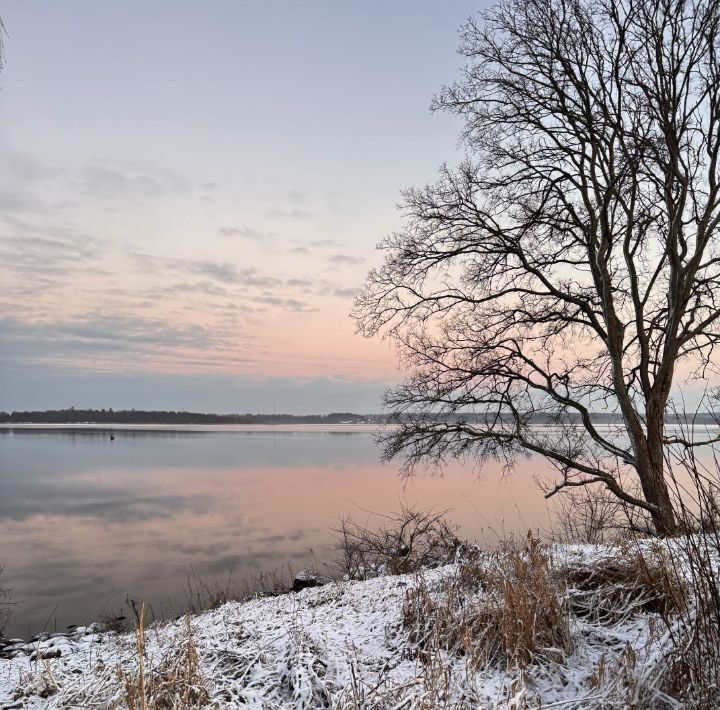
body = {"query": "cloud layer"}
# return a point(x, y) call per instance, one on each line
point(214, 212)
point(104, 275)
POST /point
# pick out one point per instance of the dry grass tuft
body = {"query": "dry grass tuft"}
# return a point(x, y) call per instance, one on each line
point(693, 663)
point(632, 579)
point(176, 683)
point(39, 682)
point(434, 686)
point(516, 615)
point(201, 595)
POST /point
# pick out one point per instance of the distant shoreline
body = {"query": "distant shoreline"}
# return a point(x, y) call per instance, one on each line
point(110, 417)
point(162, 417)
point(133, 417)
point(188, 428)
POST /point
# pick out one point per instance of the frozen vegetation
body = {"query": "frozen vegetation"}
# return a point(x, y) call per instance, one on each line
point(565, 626)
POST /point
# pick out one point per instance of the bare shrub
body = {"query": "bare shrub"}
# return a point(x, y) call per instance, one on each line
point(6, 603)
point(583, 516)
point(117, 623)
point(404, 542)
point(595, 516)
point(510, 611)
point(201, 595)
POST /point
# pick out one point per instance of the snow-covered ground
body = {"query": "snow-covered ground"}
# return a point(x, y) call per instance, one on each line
point(342, 645)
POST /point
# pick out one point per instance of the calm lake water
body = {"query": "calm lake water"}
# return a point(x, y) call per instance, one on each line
point(86, 521)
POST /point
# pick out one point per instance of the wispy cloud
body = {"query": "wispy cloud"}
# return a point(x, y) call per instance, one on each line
point(288, 304)
point(128, 181)
point(293, 213)
point(299, 283)
point(245, 232)
point(346, 293)
point(60, 252)
point(224, 272)
point(113, 266)
point(120, 342)
point(346, 260)
point(99, 332)
point(217, 392)
point(208, 288)
point(296, 196)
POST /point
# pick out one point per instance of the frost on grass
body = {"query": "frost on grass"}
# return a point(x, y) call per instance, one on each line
point(528, 626)
point(507, 609)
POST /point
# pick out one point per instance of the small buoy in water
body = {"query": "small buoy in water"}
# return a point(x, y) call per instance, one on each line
point(112, 437)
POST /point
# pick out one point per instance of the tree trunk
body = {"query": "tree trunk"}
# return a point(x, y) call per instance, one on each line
point(656, 492)
point(651, 471)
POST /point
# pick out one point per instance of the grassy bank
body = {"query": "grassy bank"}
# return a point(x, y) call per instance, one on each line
point(529, 625)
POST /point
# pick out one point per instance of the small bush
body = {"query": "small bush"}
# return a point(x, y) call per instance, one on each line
point(404, 542)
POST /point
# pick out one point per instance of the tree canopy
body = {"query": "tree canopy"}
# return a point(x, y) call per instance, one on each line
point(570, 264)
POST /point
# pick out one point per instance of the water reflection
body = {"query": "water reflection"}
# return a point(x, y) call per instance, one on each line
point(86, 520)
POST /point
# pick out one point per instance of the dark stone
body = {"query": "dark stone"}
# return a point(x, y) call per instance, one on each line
point(15, 647)
point(43, 654)
point(305, 579)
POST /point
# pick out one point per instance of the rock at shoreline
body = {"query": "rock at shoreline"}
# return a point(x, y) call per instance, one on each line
point(305, 579)
point(41, 646)
point(40, 654)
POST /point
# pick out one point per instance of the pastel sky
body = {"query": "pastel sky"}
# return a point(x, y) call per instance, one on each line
point(191, 194)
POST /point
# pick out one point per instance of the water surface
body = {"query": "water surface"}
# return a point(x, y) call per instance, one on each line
point(86, 521)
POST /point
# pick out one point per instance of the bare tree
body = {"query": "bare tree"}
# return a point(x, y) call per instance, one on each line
point(570, 265)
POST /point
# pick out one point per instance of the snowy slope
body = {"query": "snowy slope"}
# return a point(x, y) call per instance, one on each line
point(342, 645)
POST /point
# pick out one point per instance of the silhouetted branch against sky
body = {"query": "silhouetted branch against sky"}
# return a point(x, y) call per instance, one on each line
point(3, 34)
point(570, 263)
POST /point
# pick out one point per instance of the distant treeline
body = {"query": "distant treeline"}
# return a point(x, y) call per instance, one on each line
point(135, 416)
